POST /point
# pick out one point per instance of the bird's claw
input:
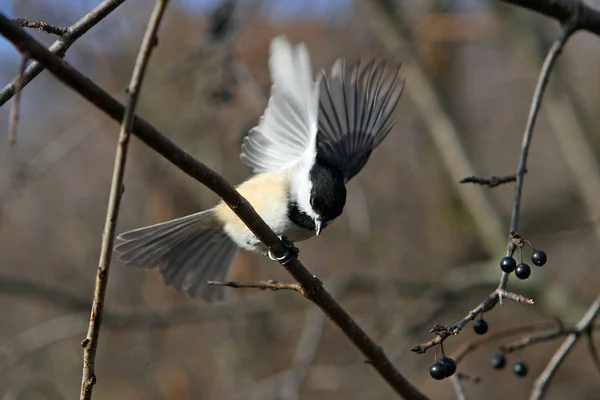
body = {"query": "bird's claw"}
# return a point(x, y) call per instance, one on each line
point(291, 251)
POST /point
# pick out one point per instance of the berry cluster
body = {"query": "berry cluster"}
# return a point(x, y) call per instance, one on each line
point(519, 368)
point(522, 271)
point(443, 368)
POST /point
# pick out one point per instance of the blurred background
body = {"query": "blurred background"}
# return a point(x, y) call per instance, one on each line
point(413, 247)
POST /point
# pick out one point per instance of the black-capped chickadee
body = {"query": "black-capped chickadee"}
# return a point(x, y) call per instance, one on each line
point(314, 136)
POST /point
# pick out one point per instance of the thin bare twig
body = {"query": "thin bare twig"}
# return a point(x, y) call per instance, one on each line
point(270, 284)
point(535, 339)
point(90, 343)
point(13, 121)
point(491, 182)
point(41, 26)
point(61, 46)
point(542, 382)
point(313, 288)
point(536, 103)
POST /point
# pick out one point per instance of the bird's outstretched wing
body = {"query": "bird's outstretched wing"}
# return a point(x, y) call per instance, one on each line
point(286, 133)
point(355, 113)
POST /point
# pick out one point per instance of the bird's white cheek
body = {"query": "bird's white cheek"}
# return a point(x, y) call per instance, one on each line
point(301, 190)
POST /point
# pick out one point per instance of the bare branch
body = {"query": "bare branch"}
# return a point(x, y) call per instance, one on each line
point(13, 121)
point(41, 26)
point(587, 18)
point(90, 343)
point(584, 325)
point(61, 46)
point(535, 339)
point(313, 288)
point(491, 182)
point(270, 284)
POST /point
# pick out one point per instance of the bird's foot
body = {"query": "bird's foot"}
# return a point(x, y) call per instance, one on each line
point(291, 251)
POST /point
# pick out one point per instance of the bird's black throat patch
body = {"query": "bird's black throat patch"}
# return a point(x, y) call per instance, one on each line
point(299, 217)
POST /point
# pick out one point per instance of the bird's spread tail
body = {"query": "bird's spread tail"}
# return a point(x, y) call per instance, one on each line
point(187, 251)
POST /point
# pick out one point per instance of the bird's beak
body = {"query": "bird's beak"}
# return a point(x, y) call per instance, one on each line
point(318, 226)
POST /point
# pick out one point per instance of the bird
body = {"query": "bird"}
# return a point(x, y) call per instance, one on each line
point(313, 137)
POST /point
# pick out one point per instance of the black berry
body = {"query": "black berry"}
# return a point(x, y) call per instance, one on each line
point(449, 364)
point(523, 271)
point(539, 258)
point(437, 371)
point(508, 264)
point(520, 369)
point(498, 361)
point(480, 326)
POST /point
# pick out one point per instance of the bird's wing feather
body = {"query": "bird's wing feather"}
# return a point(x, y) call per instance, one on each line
point(355, 113)
point(188, 251)
point(287, 131)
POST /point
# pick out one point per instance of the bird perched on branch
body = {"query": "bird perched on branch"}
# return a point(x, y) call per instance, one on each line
point(314, 136)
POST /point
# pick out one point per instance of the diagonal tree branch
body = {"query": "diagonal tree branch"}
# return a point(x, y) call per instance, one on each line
point(90, 343)
point(585, 324)
point(61, 46)
point(312, 286)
